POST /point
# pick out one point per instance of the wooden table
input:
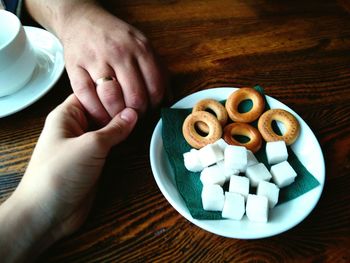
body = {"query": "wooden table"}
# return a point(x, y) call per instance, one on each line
point(299, 51)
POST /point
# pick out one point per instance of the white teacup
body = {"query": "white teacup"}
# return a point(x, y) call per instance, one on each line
point(17, 57)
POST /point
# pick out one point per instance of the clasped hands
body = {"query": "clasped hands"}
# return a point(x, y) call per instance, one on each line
point(115, 77)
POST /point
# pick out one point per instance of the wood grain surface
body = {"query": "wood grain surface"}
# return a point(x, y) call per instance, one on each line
point(299, 51)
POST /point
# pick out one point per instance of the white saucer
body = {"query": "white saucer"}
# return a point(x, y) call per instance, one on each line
point(281, 218)
point(50, 66)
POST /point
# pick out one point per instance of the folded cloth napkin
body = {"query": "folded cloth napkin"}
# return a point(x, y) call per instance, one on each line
point(189, 184)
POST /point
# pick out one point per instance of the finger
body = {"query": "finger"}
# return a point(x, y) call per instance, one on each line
point(73, 109)
point(119, 128)
point(71, 102)
point(107, 88)
point(154, 77)
point(68, 119)
point(133, 86)
point(84, 88)
point(111, 96)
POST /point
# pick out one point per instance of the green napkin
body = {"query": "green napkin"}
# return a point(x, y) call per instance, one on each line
point(189, 184)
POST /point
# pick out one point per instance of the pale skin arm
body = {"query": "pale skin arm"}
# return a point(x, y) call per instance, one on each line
point(98, 44)
point(57, 189)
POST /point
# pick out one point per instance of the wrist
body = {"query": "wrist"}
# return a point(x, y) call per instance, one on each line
point(24, 231)
point(70, 14)
point(55, 15)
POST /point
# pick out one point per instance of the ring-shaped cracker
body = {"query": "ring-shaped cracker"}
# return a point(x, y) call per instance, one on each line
point(191, 135)
point(214, 106)
point(244, 129)
point(291, 124)
point(240, 95)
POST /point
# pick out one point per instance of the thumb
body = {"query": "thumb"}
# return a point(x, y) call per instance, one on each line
point(119, 128)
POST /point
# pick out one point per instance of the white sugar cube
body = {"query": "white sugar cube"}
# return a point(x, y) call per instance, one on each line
point(239, 184)
point(235, 158)
point(210, 154)
point(257, 173)
point(213, 197)
point(234, 206)
point(227, 173)
point(212, 175)
point(251, 158)
point(283, 174)
point(221, 143)
point(257, 209)
point(270, 190)
point(192, 161)
point(276, 152)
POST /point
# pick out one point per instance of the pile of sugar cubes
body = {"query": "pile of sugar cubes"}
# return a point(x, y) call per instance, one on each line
point(252, 189)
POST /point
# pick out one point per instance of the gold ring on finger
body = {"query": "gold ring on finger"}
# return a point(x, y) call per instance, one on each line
point(99, 81)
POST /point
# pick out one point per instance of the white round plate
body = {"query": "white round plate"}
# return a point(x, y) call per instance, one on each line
point(281, 218)
point(50, 65)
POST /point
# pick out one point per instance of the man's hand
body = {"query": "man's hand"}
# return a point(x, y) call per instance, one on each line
point(98, 45)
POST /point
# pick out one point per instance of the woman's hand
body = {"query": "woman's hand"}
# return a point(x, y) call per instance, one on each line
point(57, 189)
point(67, 162)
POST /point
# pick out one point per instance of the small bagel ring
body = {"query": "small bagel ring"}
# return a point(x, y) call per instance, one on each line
point(245, 129)
point(216, 107)
point(240, 95)
point(290, 123)
point(191, 135)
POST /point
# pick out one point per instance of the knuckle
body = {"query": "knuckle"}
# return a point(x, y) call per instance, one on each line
point(133, 43)
point(136, 101)
point(144, 45)
point(118, 50)
point(119, 128)
point(56, 113)
point(79, 85)
point(97, 139)
point(50, 118)
point(157, 95)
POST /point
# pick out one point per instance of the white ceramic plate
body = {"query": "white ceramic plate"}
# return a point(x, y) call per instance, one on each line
point(281, 218)
point(49, 54)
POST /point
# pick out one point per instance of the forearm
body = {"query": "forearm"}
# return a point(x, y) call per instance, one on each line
point(24, 231)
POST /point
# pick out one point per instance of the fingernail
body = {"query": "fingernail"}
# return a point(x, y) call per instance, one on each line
point(128, 115)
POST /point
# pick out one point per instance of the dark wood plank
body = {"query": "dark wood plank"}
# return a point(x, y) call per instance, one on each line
point(299, 51)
